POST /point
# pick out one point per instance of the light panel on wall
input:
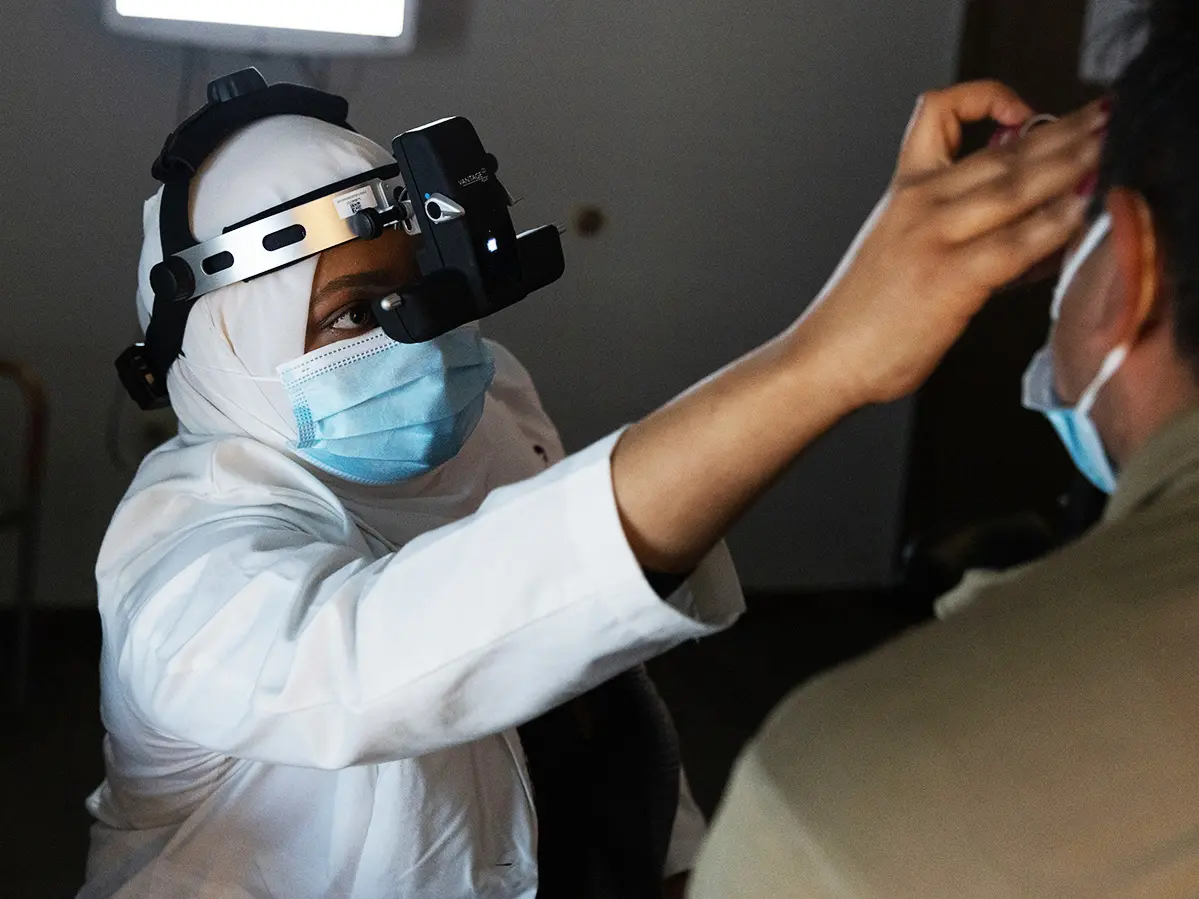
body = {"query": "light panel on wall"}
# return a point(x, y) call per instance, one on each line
point(361, 27)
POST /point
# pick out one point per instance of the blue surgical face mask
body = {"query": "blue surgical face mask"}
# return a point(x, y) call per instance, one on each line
point(375, 411)
point(1073, 424)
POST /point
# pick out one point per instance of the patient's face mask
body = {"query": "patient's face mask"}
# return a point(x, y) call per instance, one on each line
point(1074, 424)
point(375, 411)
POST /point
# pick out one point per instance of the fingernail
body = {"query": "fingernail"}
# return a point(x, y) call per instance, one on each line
point(1105, 106)
point(1088, 185)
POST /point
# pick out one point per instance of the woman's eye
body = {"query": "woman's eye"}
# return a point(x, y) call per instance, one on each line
point(355, 319)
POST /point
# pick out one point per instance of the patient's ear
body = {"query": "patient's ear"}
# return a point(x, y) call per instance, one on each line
point(1135, 304)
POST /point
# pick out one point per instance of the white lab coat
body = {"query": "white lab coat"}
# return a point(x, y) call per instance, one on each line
point(296, 709)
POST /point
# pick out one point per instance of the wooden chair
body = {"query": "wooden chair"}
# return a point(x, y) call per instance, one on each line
point(21, 514)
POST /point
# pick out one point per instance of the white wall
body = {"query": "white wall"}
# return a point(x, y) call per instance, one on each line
point(734, 146)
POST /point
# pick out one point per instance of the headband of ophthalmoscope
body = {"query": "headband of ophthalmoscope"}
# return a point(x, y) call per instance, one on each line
point(472, 262)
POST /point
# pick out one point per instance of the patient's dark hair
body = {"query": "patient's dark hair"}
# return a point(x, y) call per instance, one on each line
point(1153, 146)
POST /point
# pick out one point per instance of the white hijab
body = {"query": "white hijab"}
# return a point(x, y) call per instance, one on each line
point(225, 384)
point(247, 330)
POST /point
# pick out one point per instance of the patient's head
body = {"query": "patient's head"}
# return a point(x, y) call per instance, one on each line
point(1139, 288)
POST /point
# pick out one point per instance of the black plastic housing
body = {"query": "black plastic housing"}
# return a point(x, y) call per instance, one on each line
point(474, 264)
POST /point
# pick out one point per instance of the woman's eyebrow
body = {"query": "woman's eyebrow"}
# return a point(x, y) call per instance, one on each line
point(376, 278)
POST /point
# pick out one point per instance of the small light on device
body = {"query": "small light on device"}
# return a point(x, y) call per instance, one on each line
point(493, 245)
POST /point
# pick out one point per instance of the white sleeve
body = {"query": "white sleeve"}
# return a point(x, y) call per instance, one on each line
point(690, 826)
point(265, 643)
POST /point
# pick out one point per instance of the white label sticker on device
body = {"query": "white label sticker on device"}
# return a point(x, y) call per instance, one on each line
point(354, 201)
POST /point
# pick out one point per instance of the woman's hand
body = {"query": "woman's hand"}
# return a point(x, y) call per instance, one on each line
point(947, 235)
point(944, 238)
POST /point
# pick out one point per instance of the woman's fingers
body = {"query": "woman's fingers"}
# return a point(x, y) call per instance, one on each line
point(948, 235)
point(1025, 186)
point(934, 135)
point(1074, 131)
point(1006, 253)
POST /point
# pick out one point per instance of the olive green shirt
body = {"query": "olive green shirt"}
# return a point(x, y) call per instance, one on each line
point(1041, 741)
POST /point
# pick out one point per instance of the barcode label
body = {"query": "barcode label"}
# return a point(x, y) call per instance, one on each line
point(354, 201)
